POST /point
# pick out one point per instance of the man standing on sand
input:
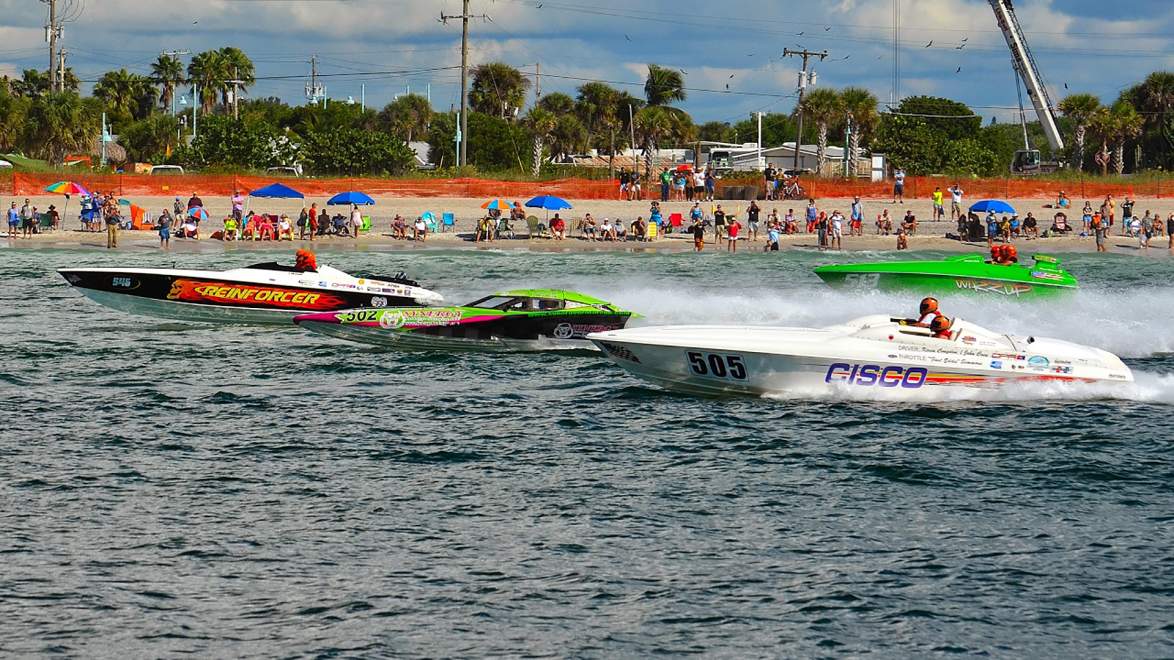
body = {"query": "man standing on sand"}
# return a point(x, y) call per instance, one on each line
point(111, 228)
point(666, 182)
point(939, 209)
point(195, 202)
point(956, 202)
point(856, 216)
point(1126, 213)
point(698, 231)
point(13, 220)
point(719, 225)
point(1170, 232)
point(313, 220)
point(899, 185)
point(1100, 230)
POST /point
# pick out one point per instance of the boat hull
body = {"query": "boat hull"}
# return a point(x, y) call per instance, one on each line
point(757, 361)
point(464, 328)
point(212, 297)
point(969, 274)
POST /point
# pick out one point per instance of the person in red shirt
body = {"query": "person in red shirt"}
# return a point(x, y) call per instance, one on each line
point(313, 220)
point(732, 230)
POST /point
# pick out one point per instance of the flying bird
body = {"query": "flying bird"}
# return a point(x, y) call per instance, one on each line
point(827, 29)
point(1065, 85)
point(798, 34)
point(731, 76)
point(845, 57)
point(958, 70)
point(965, 38)
point(929, 44)
point(627, 37)
point(727, 87)
point(959, 46)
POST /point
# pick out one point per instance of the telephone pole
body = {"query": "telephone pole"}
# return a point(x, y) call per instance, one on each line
point(52, 31)
point(315, 91)
point(61, 55)
point(176, 54)
point(805, 79)
point(463, 129)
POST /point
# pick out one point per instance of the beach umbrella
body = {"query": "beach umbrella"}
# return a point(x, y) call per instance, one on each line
point(993, 206)
point(277, 191)
point(499, 204)
point(548, 202)
point(351, 197)
point(66, 188)
point(122, 201)
point(198, 213)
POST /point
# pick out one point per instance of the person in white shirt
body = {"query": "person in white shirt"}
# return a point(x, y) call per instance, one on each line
point(420, 229)
point(356, 219)
point(607, 232)
point(956, 202)
point(899, 185)
point(929, 311)
point(837, 230)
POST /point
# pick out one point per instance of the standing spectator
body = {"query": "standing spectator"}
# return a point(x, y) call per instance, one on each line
point(54, 217)
point(164, 230)
point(837, 236)
point(772, 238)
point(111, 227)
point(821, 226)
point(680, 186)
point(719, 224)
point(698, 185)
point(178, 209)
point(238, 206)
point(899, 185)
point(1086, 219)
point(768, 181)
point(26, 217)
point(812, 215)
point(303, 223)
point(1100, 230)
point(666, 183)
point(1170, 232)
point(752, 219)
point(956, 203)
point(625, 179)
point(710, 184)
point(195, 202)
point(939, 210)
point(13, 220)
point(1126, 213)
point(856, 216)
point(732, 234)
point(312, 221)
point(356, 219)
point(698, 231)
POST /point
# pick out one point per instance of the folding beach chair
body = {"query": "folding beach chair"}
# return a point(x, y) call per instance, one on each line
point(366, 226)
point(448, 221)
point(536, 228)
point(429, 221)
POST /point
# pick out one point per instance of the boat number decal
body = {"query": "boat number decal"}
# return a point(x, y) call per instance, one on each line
point(244, 294)
point(358, 316)
point(875, 375)
point(716, 365)
point(862, 280)
point(123, 282)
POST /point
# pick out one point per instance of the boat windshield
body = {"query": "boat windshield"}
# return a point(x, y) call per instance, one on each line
point(519, 303)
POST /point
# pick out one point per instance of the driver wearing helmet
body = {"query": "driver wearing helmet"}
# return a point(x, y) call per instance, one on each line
point(941, 327)
point(929, 312)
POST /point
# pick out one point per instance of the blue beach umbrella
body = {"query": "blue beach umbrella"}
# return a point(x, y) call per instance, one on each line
point(198, 213)
point(277, 191)
point(351, 197)
point(993, 206)
point(549, 202)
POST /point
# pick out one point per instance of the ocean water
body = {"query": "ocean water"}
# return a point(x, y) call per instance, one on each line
point(172, 488)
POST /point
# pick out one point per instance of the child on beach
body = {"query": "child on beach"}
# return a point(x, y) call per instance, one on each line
point(902, 241)
point(772, 239)
point(698, 231)
point(732, 230)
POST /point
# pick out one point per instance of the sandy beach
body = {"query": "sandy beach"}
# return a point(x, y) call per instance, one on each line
point(930, 235)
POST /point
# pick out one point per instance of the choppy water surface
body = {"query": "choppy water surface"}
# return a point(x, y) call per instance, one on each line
point(172, 488)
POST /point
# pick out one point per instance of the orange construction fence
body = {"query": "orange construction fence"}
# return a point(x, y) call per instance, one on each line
point(22, 183)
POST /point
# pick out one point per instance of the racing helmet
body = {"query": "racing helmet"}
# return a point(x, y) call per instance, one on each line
point(940, 324)
point(1010, 253)
point(928, 305)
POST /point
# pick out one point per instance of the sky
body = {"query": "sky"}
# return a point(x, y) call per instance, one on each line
point(731, 51)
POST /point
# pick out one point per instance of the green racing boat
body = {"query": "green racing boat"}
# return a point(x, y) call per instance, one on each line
point(971, 273)
point(519, 320)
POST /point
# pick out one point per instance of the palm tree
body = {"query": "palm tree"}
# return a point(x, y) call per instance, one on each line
point(558, 103)
point(13, 113)
point(207, 72)
point(568, 137)
point(540, 122)
point(498, 89)
point(1080, 108)
point(860, 108)
point(125, 93)
point(236, 66)
point(32, 83)
point(1102, 124)
point(664, 86)
point(167, 72)
point(598, 108)
point(657, 124)
point(1154, 99)
point(59, 124)
point(1127, 124)
point(407, 117)
point(822, 106)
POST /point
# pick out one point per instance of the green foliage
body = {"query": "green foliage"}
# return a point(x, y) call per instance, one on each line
point(126, 96)
point(664, 86)
point(149, 140)
point(495, 144)
point(558, 103)
point(966, 125)
point(1154, 100)
point(223, 141)
point(498, 89)
point(715, 131)
point(58, 124)
point(167, 72)
point(407, 117)
point(13, 113)
point(940, 145)
point(355, 152)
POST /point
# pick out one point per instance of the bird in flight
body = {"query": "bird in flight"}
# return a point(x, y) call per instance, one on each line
point(929, 44)
point(958, 70)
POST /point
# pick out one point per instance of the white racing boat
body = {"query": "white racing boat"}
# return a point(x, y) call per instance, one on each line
point(870, 353)
point(261, 293)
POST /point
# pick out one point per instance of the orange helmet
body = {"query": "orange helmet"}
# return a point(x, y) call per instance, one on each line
point(996, 252)
point(1011, 253)
point(305, 260)
point(929, 305)
point(940, 324)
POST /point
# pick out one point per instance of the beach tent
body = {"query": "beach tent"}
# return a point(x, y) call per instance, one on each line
point(992, 205)
point(277, 191)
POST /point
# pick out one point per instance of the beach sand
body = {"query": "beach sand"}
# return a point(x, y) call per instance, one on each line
point(930, 236)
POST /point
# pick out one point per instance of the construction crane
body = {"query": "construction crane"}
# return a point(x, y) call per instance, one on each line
point(1027, 160)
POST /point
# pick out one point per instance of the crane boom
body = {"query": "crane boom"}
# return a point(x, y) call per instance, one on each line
point(1025, 65)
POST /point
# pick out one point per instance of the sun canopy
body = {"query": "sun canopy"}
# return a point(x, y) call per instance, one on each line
point(351, 197)
point(67, 188)
point(548, 202)
point(278, 191)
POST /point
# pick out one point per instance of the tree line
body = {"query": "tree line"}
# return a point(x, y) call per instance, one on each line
point(925, 135)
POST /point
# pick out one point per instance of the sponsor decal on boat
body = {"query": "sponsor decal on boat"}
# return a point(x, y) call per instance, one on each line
point(875, 375)
point(393, 319)
point(248, 294)
point(1037, 361)
point(1044, 275)
point(996, 364)
point(992, 286)
point(619, 351)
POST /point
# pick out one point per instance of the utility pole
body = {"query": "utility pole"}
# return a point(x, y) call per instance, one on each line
point(463, 129)
point(51, 32)
point(236, 114)
point(805, 79)
point(537, 82)
point(175, 54)
point(61, 55)
point(315, 91)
